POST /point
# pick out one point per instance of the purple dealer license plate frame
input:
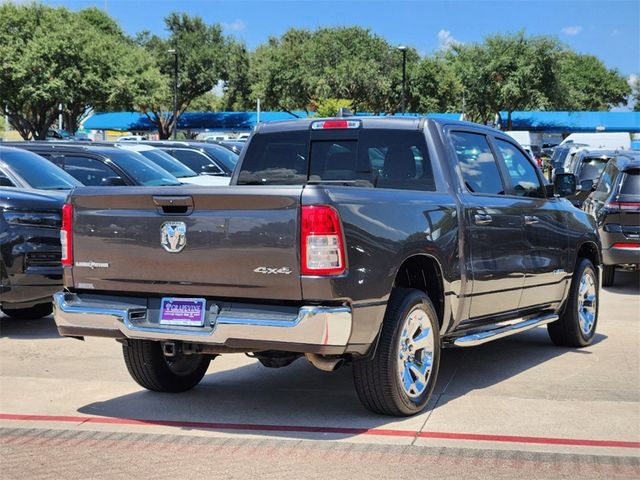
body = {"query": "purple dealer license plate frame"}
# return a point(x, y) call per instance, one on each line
point(185, 312)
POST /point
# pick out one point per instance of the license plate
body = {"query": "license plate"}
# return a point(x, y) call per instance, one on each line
point(189, 312)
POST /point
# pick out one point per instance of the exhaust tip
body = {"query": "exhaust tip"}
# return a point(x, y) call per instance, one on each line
point(324, 363)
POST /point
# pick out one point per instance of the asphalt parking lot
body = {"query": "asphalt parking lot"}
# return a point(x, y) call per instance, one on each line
point(518, 406)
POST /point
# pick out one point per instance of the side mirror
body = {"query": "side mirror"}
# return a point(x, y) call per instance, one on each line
point(5, 182)
point(585, 186)
point(113, 182)
point(564, 184)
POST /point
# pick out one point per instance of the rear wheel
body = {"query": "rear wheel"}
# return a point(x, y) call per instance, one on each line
point(31, 313)
point(608, 275)
point(577, 325)
point(153, 370)
point(399, 378)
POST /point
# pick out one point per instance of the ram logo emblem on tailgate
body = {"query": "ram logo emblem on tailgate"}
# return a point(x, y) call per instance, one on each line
point(173, 236)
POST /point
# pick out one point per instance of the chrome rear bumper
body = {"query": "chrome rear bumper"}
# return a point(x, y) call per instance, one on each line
point(307, 329)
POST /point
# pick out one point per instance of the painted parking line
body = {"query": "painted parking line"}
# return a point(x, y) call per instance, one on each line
point(329, 430)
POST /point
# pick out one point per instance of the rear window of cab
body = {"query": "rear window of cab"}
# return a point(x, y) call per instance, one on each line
point(375, 158)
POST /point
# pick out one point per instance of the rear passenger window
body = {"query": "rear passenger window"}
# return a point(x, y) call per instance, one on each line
point(524, 178)
point(631, 183)
point(477, 163)
point(193, 159)
point(88, 171)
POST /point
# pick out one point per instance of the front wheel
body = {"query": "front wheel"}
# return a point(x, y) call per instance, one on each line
point(577, 324)
point(399, 378)
point(153, 370)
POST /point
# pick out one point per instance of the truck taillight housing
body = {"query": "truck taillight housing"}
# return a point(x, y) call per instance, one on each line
point(66, 235)
point(322, 241)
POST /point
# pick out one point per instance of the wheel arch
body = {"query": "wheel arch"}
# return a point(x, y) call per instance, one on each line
point(589, 249)
point(423, 272)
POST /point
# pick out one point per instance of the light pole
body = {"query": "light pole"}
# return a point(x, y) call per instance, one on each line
point(403, 49)
point(175, 91)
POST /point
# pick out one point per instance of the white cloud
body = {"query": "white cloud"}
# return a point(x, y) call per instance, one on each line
point(572, 30)
point(633, 78)
point(236, 26)
point(446, 40)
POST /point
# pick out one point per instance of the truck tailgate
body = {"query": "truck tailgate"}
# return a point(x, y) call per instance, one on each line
point(239, 241)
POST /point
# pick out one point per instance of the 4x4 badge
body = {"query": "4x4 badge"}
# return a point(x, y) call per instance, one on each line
point(173, 236)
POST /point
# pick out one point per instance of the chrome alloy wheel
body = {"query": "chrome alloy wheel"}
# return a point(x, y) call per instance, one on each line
point(415, 353)
point(587, 302)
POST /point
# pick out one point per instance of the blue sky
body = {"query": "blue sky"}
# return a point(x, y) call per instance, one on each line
point(607, 29)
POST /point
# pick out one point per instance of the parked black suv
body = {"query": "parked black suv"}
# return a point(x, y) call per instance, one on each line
point(32, 191)
point(616, 205)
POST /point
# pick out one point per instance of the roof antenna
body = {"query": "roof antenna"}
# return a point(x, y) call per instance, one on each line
point(344, 112)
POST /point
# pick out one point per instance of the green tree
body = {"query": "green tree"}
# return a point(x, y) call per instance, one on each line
point(329, 107)
point(635, 95)
point(52, 56)
point(237, 88)
point(508, 73)
point(207, 102)
point(587, 84)
point(471, 65)
point(301, 68)
point(278, 72)
point(433, 86)
point(201, 51)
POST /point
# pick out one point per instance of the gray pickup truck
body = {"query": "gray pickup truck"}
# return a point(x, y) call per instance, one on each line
point(367, 240)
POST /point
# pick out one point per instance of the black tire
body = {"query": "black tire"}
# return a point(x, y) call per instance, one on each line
point(32, 313)
point(151, 369)
point(608, 275)
point(377, 379)
point(567, 331)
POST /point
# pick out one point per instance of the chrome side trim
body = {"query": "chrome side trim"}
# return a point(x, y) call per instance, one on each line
point(478, 338)
point(313, 325)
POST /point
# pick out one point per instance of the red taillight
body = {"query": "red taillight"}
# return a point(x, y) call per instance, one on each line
point(321, 241)
point(629, 246)
point(66, 235)
point(623, 206)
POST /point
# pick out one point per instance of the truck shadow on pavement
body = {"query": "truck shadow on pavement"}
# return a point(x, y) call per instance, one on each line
point(37, 329)
point(301, 396)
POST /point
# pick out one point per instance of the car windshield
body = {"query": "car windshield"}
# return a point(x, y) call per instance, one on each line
point(170, 164)
point(36, 171)
point(592, 167)
point(226, 157)
point(143, 171)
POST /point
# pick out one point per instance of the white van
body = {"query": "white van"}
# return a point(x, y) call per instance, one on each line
point(604, 141)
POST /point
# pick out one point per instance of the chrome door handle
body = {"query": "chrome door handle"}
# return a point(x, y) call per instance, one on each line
point(482, 219)
point(530, 219)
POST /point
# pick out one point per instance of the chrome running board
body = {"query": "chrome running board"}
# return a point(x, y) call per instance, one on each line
point(478, 338)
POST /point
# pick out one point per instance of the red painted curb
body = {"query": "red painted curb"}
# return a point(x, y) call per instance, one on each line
point(328, 430)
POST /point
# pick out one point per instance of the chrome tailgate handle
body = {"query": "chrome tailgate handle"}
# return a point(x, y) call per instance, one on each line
point(530, 219)
point(482, 219)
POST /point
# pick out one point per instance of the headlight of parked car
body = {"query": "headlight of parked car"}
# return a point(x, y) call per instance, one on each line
point(32, 219)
